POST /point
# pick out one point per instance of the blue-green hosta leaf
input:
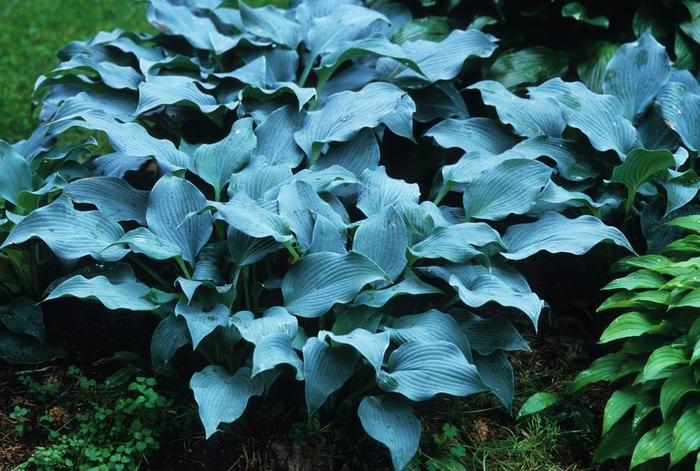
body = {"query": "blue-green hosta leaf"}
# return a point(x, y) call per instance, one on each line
point(456, 242)
point(131, 295)
point(70, 234)
point(125, 138)
point(271, 23)
point(221, 396)
point(376, 45)
point(427, 327)
point(113, 75)
point(249, 217)
point(556, 199)
point(680, 109)
point(15, 174)
point(258, 180)
point(486, 335)
point(472, 134)
point(274, 321)
point(443, 60)
point(141, 240)
point(170, 203)
point(163, 90)
point(638, 167)
point(201, 323)
point(555, 233)
point(636, 73)
point(507, 188)
point(420, 370)
point(335, 180)
point(370, 345)
point(680, 188)
point(411, 285)
point(114, 197)
point(215, 163)
point(497, 373)
point(526, 66)
point(346, 113)
point(356, 155)
point(326, 369)
point(390, 420)
point(299, 203)
point(261, 82)
point(170, 335)
point(383, 239)
point(331, 23)
point(274, 350)
point(312, 286)
point(23, 316)
point(529, 118)
point(326, 237)
point(569, 163)
point(179, 20)
point(478, 285)
point(380, 191)
point(600, 117)
point(276, 137)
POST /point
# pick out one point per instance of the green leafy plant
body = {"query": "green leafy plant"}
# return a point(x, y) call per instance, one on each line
point(258, 185)
point(653, 414)
point(96, 427)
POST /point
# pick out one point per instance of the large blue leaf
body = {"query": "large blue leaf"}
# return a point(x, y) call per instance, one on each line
point(216, 162)
point(390, 420)
point(70, 234)
point(326, 369)
point(223, 397)
point(114, 197)
point(321, 280)
point(346, 113)
point(600, 117)
point(529, 118)
point(383, 239)
point(555, 233)
point(421, 370)
point(636, 73)
point(15, 174)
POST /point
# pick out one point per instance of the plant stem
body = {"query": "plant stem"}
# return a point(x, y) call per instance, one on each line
point(295, 255)
point(183, 267)
point(443, 192)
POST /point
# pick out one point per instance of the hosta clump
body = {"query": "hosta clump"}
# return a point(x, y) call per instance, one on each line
point(246, 197)
point(654, 415)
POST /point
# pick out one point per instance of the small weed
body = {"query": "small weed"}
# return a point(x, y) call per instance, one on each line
point(91, 426)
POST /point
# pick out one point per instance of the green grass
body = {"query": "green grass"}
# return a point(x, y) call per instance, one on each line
point(33, 31)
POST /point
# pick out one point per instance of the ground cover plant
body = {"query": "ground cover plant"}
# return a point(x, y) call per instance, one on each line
point(301, 194)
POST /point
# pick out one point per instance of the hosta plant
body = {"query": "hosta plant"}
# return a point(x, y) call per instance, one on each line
point(266, 181)
point(654, 413)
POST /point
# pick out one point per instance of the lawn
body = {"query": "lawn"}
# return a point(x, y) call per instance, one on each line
point(31, 34)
